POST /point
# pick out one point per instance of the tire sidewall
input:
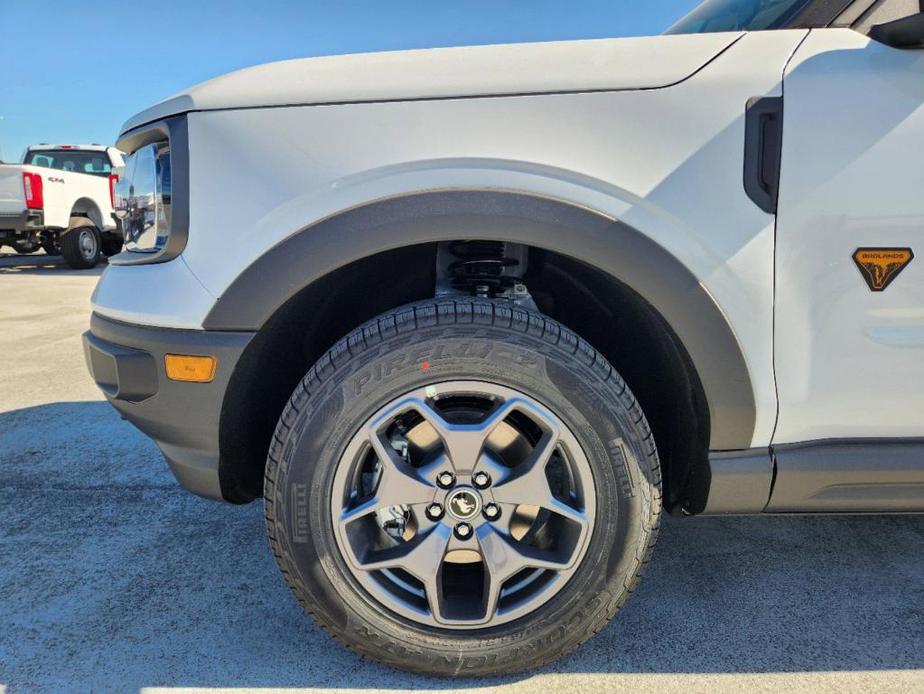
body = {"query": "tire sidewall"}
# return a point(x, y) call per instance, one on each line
point(329, 417)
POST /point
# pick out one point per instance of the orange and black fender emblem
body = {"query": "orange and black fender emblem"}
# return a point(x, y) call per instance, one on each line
point(879, 266)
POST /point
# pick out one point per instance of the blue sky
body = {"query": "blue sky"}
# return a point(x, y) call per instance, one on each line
point(75, 70)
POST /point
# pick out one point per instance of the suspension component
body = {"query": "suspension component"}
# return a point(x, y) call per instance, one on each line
point(486, 269)
point(482, 264)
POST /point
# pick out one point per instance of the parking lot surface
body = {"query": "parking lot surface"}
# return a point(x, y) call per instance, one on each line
point(112, 578)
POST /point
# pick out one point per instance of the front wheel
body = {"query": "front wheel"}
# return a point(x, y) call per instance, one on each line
point(81, 246)
point(462, 488)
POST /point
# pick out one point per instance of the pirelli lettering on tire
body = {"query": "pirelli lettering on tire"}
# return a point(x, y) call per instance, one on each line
point(300, 516)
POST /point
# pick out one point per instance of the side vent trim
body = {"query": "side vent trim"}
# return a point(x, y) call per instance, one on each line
point(763, 148)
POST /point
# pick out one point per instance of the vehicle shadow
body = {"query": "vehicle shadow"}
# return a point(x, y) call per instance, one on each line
point(114, 579)
point(39, 263)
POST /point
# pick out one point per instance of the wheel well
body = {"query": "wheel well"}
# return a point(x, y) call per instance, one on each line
point(85, 207)
point(608, 314)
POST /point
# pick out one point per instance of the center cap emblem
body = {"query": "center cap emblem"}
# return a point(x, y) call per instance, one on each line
point(464, 504)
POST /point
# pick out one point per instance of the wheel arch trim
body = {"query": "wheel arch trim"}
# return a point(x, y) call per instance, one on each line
point(555, 225)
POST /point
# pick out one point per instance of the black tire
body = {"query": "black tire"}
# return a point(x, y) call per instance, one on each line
point(25, 247)
point(112, 245)
point(81, 246)
point(51, 246)
point(434, 342)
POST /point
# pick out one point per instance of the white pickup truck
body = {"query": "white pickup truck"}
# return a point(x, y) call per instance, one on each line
point(60, 199)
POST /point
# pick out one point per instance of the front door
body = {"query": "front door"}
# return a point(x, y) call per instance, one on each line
point(849, 296)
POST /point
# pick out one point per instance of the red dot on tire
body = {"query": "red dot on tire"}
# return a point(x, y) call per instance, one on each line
point(425, 366)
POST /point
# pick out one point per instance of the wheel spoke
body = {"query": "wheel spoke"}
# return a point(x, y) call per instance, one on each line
point(422, 557)
point(503, 558)
point(566, 510)
point(400, 484)
point(527, 483)
point(464, 443)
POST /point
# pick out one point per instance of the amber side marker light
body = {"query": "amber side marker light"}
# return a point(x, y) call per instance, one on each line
point(185, 367)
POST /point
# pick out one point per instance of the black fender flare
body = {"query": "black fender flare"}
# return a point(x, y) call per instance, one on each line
point(586, 235)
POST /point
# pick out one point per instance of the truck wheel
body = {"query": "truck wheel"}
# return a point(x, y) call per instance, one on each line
point(25, 247)
point(462, 488)
point(81, 246)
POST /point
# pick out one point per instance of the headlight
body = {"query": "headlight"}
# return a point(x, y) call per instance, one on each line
point(151, 197)
point(142, 199)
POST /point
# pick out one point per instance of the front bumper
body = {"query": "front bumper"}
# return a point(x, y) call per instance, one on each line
point(127, 363)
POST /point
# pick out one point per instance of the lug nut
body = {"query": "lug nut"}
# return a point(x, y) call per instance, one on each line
point(491, 511)
point(463, 531)
point(481, 480)
point(434, 512)
point(445, 479)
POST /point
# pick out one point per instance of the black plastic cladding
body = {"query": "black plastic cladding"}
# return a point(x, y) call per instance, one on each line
point(763, 150)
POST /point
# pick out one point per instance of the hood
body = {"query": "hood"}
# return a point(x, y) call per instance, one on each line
point(442, 73)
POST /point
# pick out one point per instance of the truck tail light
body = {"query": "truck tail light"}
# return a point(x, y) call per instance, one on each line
point(32, 187)
point(113, 179)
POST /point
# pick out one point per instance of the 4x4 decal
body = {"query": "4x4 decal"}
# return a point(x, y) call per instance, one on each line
point(879, 266)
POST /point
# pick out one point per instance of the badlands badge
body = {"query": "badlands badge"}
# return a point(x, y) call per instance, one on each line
point(879, 266)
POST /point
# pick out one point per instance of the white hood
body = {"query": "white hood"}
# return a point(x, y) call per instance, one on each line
point(524, 68)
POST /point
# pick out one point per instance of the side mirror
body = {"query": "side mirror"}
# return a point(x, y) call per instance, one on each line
point(907, 32)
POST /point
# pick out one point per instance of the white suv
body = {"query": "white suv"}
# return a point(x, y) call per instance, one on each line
point(469, 318)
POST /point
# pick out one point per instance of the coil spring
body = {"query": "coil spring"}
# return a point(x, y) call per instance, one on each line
point(482, 267)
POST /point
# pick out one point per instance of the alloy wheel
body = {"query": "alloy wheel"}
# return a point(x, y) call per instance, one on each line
point(463, 505)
